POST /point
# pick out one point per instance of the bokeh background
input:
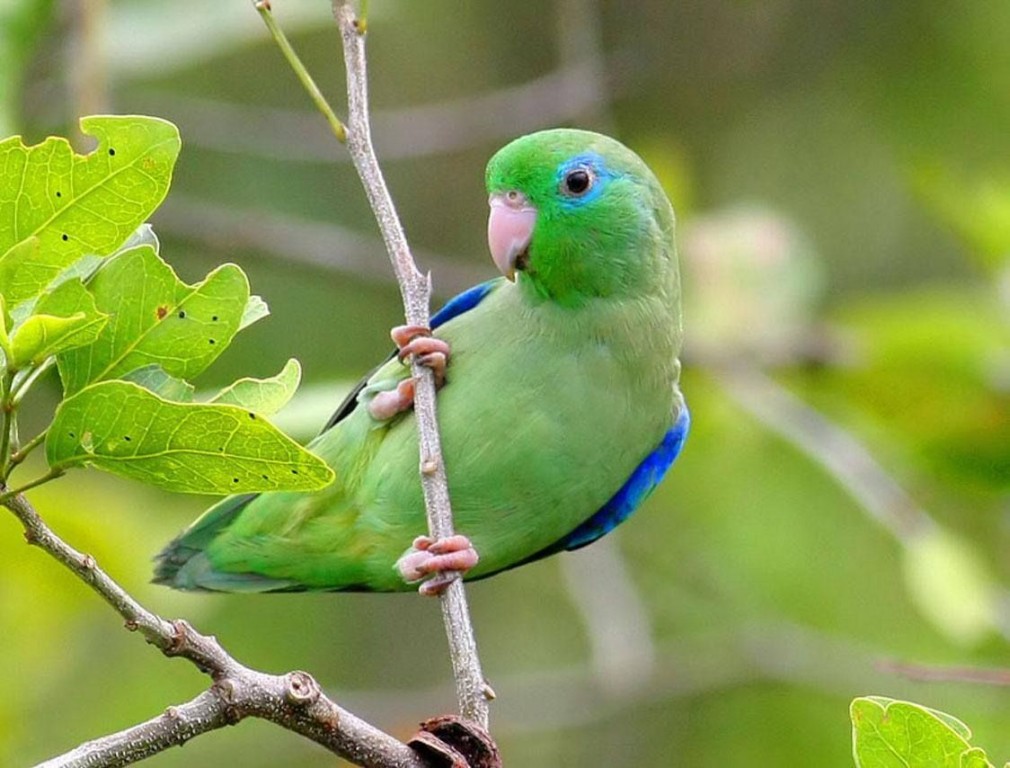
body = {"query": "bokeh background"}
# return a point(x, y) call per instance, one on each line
point(839, 522)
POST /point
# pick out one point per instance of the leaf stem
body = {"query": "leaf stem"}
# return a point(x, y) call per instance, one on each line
point(21, 453)
point(52, 474)
point(6, 422)
point(338, 128)
point(20, 387)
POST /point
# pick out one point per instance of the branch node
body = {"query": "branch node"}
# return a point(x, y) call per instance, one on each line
point(172, 713)
point(88, 563)
point(131, 625)
point(450, 741)
point(429, 466)
point(302, 689)
point(488, 692)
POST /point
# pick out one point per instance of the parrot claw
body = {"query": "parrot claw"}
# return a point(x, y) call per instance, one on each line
point(411, 341)
point(417, 341)
point(444, 560)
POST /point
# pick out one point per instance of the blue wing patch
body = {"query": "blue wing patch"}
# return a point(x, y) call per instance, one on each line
point(463, 302)
point(635, 490)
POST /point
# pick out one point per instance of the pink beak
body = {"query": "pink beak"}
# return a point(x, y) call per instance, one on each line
point(509, 229)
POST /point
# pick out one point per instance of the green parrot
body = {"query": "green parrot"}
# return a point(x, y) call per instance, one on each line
point(559, 407)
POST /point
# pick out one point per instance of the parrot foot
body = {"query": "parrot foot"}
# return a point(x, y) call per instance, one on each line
point(445, 560)
point(416, 341)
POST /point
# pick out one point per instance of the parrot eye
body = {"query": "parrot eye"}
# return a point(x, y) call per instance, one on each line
point(577, 182)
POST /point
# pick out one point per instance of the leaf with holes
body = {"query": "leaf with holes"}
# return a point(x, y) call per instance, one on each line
point(120, 427)
point(64, 319)
point(263, 395)
point(57, 206)
point(156, 319)
point(898, 734)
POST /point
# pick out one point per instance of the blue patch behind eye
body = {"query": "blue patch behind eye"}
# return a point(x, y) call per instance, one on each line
point(635, 490)
point(593, 162)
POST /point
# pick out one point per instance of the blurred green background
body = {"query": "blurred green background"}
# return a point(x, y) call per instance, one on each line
point(841, 172)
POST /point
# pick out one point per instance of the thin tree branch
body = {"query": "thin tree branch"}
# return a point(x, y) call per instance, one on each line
point(472, 691)
point(294, 700)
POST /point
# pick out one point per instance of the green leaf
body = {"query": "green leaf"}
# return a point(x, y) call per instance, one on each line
point(57, 206)
point(952, 585)
point(120, 427)
point(898, 734)
point(265, 396)
point(63, 319)
point(154, 379)
point(156, 319)
point(255, 309)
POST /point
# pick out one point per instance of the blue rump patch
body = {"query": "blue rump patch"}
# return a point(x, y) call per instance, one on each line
point(635, 490)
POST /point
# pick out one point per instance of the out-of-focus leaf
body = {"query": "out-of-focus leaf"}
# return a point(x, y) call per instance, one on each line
point(928, 373)
point(266, 396)
point(122, 428)
point(898, 734)
point(64, 319)
point(154, 379)
point(156, 319)
point(57, 206)
point(978, 210)
point(952, 585)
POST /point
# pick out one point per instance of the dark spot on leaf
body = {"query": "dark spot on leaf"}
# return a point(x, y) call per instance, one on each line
point(71, 434)
point(221, 449)
point(65, 237)
point(162, 311)
point(127, 438)
point(234, 479)
point(252, 416)
point(264, 477)
point(59, 194)
point(182, 314)
point(294, 471)
point(214, 318)
point(212, 341)
point(112, 151)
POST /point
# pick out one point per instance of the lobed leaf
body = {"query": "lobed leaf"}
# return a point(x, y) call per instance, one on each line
point(898, 734)
point(120, 427)
point(265, 396)
point(156, 319)
point(57, 206)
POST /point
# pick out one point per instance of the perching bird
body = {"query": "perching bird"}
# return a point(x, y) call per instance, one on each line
point(559, 408)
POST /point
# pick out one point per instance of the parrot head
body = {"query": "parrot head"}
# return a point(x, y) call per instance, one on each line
point(576, 215)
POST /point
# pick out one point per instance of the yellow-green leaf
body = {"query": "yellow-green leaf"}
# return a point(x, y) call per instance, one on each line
point(120, 427)
point(156, 319)
point(63, 319)
point(898, 734)
point(57, 206)
point(263, 395)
